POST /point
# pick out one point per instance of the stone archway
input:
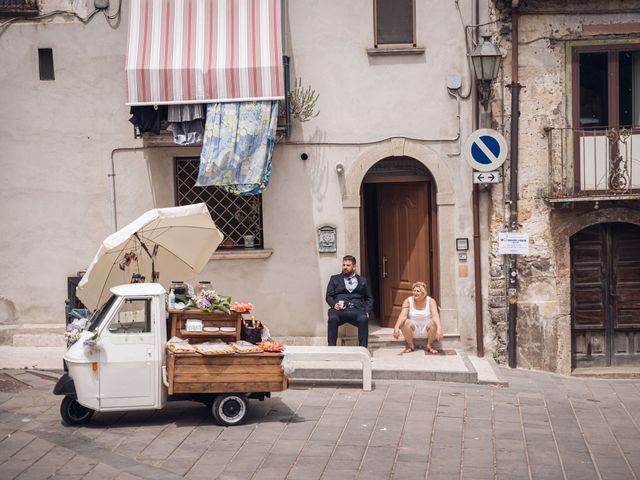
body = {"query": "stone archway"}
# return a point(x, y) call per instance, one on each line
point(445, 201)
point(565, 225)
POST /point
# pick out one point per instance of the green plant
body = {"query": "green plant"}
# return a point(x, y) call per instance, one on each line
point(302, 102)
point(248, 218)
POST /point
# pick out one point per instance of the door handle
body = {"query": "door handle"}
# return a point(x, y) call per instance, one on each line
point(384, 267)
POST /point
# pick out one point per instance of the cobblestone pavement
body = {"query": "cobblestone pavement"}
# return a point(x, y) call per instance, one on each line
point(542, 426)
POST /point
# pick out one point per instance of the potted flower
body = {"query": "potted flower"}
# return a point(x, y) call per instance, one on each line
point(248, 219)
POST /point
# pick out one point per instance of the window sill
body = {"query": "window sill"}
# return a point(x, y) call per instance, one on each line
point(395, 51)
point(247, 254)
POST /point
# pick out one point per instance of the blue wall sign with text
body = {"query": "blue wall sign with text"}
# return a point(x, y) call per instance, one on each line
point(485, 150)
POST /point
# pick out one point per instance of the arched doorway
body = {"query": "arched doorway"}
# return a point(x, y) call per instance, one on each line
point(605, 295)
point(398, 229)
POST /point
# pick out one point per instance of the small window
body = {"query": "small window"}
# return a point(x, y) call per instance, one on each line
point(609, 87)
point(133, 317)
point(45, 63)
point(394, 23)
point(235, 215)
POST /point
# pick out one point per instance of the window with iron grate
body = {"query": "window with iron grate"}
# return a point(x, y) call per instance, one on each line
point(234, 215)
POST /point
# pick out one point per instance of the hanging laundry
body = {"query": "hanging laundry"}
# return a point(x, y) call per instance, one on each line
point(238, 145)
point(147, 118)
point(186, 122)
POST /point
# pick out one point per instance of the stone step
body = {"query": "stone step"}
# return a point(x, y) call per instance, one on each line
point(38, 340)
point(390, 363)
point(35, 335)
point(607, 372)
point(387, 341)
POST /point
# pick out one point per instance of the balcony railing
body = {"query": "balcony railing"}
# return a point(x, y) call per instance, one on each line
point(12, 8)
point(592, 162)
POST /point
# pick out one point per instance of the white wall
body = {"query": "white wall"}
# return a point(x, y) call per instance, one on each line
point(58, 139)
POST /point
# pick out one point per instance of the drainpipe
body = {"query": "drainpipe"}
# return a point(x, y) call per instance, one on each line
point(475, 200)
point(512, 282)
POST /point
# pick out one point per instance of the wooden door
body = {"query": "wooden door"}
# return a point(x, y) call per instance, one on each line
point(605, 295)
point(404, 244)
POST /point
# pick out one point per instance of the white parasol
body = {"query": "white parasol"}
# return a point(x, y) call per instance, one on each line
point(163, 244)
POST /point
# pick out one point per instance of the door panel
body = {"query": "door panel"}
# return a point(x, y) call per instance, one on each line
point(404, 244)
point(128, 357)
point(605, 295)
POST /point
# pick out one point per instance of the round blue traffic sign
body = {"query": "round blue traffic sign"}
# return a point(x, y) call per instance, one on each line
point(485, 150)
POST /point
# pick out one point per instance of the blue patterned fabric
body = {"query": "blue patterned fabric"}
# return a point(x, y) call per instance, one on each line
point(238, 145)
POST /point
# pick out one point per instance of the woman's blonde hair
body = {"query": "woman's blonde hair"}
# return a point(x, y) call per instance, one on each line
point(421, 285)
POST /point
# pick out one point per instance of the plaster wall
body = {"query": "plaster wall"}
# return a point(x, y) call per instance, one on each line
point(59, 140)
point(543, 329)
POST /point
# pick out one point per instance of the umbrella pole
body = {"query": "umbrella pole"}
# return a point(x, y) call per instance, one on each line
point(154, 275)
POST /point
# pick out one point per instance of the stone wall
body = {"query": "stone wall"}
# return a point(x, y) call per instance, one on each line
point(545, 38)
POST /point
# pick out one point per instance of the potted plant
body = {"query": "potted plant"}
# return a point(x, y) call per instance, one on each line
point(248, 218)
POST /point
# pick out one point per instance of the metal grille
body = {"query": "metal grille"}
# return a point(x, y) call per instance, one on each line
point(398, 167)
point(234, 215)
point(18, 7)
point(587, 162)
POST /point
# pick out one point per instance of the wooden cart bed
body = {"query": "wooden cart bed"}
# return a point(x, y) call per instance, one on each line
point(241, 373)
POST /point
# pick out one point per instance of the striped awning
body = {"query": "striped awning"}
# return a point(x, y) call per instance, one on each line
point(203, 51)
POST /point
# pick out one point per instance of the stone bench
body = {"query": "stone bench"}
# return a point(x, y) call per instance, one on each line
point(333, 354)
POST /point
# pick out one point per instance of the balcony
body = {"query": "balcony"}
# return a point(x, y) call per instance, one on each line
point(592, 165)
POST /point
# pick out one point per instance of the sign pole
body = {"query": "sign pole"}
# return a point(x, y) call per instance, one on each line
point(512, 282)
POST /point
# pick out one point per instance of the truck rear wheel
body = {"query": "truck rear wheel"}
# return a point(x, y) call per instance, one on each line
point(230, 409)
point(73, 413)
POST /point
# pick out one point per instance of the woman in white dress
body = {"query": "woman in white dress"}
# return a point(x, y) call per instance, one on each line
point(419, 318)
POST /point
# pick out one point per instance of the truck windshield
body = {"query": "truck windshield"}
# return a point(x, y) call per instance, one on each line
point(99, 314)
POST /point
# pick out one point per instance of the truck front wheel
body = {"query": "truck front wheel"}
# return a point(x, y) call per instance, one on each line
point(230, 409)
point(73, 413)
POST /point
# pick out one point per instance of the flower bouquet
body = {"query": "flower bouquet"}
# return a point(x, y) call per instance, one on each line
point(210, 300)
point(74, 333)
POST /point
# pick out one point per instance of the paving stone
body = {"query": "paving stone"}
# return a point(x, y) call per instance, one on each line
point(234, 476)
point(277, 461)
point(127, 476)
point(408, 470)
point(78, 465)
point(13, 443)
point(340, 474)
point(102, 472)
point(24, 458)
point(306, 472)
point(48, 464)
point(317, 448)
point(188, 452)
point(476, 473)
point(165, 443)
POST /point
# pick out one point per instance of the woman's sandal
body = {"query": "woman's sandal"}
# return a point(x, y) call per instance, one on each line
point(409, 349)
point(430, 350)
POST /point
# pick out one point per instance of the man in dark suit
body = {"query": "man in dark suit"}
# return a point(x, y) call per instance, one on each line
point(350, 299)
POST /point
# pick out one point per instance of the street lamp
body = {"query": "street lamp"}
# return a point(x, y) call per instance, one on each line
point(486, 59)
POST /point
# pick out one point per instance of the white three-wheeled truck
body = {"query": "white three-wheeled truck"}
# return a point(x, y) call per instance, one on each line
point(130, 369)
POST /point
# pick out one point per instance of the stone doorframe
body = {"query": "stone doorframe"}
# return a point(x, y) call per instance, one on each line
point(445, 201)
point(565, 225)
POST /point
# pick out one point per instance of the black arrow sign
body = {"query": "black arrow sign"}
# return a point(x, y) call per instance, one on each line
point(491, 177)
point(481, 177)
